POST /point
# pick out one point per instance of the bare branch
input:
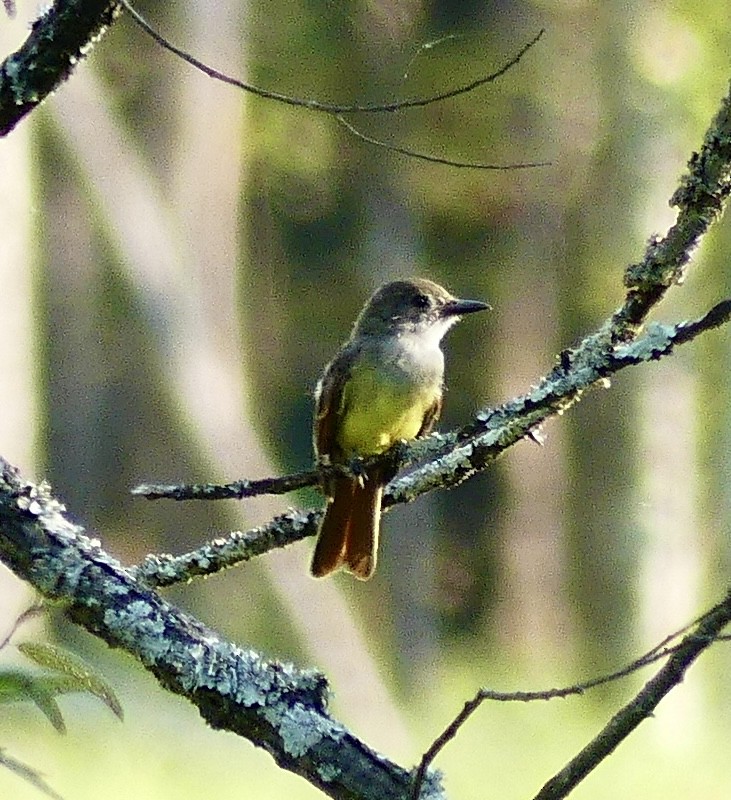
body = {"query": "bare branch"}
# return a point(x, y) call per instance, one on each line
point(62, 36)
point(405, 151)
point(658, 652)
point(318, 105)
point(701, 198)
point(642, 705)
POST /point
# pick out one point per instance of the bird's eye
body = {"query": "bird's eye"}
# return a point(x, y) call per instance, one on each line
point(421, 301)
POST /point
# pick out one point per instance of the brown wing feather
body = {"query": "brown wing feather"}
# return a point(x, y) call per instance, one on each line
point(332, 541)
point(431, 416)
point(330, 405)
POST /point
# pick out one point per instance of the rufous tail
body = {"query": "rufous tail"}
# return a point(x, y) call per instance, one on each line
point(348, 535)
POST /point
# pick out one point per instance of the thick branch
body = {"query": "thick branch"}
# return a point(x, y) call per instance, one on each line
point(274, 705)
point(59, 39)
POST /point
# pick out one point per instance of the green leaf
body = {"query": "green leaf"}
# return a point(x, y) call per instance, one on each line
point(75, 675)
point(28, 774)
point(17, 686)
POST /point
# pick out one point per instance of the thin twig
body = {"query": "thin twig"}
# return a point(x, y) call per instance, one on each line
point(394, 459)
point(29, 613)
point(405, 151)
point(317, 105)
point(237, 490)
point(642, 706)
point(658, 652)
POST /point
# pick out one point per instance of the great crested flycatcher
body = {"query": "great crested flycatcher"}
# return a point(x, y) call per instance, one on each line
point(384, 385)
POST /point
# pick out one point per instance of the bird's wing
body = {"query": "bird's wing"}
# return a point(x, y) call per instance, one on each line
point(431, 416)
point(331, 405)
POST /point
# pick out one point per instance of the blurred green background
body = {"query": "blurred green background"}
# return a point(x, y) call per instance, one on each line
point(179, 260)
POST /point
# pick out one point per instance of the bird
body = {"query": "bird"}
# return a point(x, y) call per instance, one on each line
point(385, 385)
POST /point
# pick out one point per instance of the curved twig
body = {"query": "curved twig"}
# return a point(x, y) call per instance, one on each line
point(319, 105)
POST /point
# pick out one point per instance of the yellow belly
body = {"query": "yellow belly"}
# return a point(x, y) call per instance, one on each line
point(380, 409)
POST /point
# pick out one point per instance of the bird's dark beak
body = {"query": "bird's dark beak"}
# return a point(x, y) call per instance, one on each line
point(456, 307)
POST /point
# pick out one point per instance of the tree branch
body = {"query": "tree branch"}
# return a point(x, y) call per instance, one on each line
point(453, 457)
point(338, 110)
point(276, 706)
point(658, 652)
point(659, 340)
point(319, 105)
point(59, 39)
point(62, 35)
point(640, 707)
point(237, 490)
point(448, 162)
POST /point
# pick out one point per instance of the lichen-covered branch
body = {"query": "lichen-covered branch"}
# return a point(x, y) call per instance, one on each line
point(60, 37)
point(451, 458)
point(592, 363)
point(276, 706)
point(219, 554)
point(619, 343)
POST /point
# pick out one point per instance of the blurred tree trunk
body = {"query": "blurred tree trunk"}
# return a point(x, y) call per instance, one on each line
point(601, 235)
point(21, 420)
